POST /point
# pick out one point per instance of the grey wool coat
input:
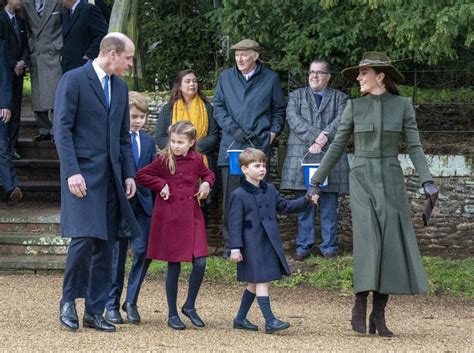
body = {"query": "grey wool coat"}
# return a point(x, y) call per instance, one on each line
point(386, 256)
point(46, 42)
point(252, 226)
point(306, 122)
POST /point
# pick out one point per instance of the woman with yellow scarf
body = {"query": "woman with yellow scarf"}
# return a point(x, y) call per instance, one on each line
point(187, 102)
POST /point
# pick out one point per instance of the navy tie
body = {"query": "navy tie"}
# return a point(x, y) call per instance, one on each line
point(16, 28)
point(318, 98)
point(136, 154)
point(106, 90)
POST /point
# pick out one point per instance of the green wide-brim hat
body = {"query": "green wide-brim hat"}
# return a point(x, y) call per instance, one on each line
point(373, 59)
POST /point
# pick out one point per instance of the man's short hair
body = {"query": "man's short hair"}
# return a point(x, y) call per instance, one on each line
point(138, 100)
point(251, 155)
point(112, 42)
point(321, 61)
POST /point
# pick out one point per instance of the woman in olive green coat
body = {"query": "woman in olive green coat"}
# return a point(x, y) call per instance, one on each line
point(386, 256)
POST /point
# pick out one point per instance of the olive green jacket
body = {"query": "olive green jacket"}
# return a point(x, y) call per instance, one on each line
point(386, 255)
point(372, 139)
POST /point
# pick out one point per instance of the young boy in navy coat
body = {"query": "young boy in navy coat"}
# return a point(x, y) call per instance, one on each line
point(144, 152)
point(254, 238)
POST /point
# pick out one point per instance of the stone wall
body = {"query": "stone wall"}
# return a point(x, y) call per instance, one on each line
point(451, 229)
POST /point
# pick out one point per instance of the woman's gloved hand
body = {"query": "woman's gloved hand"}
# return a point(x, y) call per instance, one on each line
point(312, 195)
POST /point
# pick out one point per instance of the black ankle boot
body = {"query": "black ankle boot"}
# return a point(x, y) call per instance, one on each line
point(359, 313)
point(377, 316)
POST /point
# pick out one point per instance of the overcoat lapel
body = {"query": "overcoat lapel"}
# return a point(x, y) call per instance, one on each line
point(95, 83)
point(33, 16)
point(326, 98)
point(47, 11)
point(75, 15)
point(7, 18)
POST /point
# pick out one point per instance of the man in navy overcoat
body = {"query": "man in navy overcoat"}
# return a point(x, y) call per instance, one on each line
point(91, 130)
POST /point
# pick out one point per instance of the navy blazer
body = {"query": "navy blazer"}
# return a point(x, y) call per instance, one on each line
point(16, 50)
point(82, 34)
point(5, 77)
point(147, 155)
point(92, 139)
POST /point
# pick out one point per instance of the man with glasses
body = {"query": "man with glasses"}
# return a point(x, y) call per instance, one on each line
point(313, 115)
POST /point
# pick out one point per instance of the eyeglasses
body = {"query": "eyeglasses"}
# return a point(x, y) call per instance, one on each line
point(318, 73)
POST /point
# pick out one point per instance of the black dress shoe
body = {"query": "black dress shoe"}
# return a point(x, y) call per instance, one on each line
point(275, 325)
point(133, 316)
point(14, 195)
point(245, 325)
point(43, 137)
point(175, 323)
point(193, 316)
point(16, 156)
point(68, 316)
point(98, 322)
point(113, 316)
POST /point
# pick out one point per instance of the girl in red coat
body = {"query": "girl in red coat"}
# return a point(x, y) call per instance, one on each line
point(178, 234)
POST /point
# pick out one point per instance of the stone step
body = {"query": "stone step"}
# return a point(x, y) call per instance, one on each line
point(32, 244)
point(28, 127)
point(32, 262)
point(29, 149)
point(37, 169)
point(33, 218)
point(38, 190)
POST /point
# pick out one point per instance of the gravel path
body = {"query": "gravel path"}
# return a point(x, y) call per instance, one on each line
point(319, 322)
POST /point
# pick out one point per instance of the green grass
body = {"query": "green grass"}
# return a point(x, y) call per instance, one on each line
point(445, 277)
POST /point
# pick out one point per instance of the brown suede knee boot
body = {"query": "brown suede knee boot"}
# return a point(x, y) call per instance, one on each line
point(377, 316)
point(359, 313)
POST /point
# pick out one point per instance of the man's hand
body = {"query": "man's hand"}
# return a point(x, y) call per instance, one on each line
point(204, 190)
point(77, 185)
point(322, 139)
point(165, 192)
point(236, 256)
point(5, 114)
point(315, 148)
point(130, 187)
point(19, 68)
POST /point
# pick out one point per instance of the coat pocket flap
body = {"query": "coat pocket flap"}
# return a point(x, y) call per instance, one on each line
point(397, 127)
point(363, 127)
point(83, 153)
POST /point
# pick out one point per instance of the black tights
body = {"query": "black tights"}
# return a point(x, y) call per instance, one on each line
point(195, 280)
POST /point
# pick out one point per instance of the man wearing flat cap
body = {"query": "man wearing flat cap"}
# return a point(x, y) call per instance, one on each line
point(249, 106)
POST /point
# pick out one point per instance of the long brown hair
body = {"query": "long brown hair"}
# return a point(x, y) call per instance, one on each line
point(176, 91)
point(389, 82)
point(182, 127)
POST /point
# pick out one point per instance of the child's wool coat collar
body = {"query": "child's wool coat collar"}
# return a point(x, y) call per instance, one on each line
point(249, 187)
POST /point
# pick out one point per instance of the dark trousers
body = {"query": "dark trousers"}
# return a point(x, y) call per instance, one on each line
point(44, 123)
point(229, 184)
point(140, 263)
point(15, 120)
point(7, 171)
point(88, 270)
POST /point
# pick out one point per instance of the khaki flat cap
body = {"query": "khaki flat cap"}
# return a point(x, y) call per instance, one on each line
point(246, 44)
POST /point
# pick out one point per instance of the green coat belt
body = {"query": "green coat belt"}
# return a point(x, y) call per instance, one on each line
point(386, 255)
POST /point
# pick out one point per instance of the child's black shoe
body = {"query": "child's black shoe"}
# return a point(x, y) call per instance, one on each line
point(193, 316)
point(275, 325)
point(245, 325)
point(175, 323)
